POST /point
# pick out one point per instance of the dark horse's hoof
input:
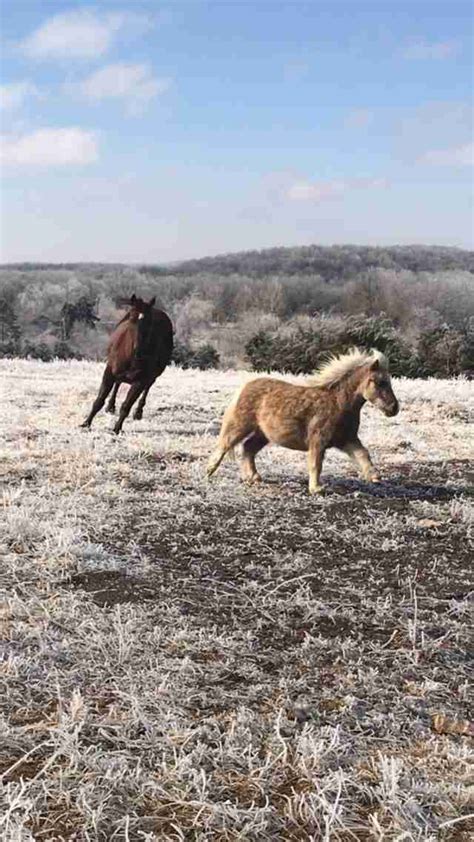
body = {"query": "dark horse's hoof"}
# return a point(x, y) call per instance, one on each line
point(138, 416)
point(84, 426)
point(110, 409)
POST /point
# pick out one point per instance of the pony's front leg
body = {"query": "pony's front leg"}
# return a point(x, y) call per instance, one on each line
point(315, 464)
point(361, 457)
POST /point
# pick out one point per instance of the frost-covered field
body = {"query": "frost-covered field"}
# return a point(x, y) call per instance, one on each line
point(186, 660)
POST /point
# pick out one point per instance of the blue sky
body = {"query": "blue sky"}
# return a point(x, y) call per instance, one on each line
point(155, 131)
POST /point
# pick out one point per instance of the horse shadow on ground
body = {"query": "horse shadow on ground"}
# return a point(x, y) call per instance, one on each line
point(398, 489)
point(434, 481)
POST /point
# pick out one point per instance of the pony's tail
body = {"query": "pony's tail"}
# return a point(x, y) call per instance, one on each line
point(227, 442)
point(217, 457)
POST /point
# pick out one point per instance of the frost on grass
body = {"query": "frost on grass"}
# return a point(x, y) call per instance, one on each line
point(184, 660)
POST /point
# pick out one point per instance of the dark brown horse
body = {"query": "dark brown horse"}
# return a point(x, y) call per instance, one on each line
point(139, 350)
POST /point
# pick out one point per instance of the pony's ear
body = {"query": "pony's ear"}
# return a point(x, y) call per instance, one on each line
point(133, 299)
point(375, 365)
point(151, 302)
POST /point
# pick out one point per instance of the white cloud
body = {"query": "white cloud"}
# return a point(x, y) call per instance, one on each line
point(318, 191)
point(84, 33)
point(459, 156)
point(14, 94)
point(50, 148)
point(422, 49)
point(134, 84)
point(306, 191)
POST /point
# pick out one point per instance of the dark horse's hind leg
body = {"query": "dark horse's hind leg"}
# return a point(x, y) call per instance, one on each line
point(133, 394)
point(138, 414)
point(111, 404)
point(108, 381)
point(251, 446)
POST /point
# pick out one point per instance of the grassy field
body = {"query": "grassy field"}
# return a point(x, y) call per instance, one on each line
point(193, 660)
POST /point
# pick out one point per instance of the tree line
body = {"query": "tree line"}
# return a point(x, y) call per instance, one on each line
point(275, 309)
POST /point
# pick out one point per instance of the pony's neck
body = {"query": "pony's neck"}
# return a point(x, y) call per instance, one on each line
point(350, 396)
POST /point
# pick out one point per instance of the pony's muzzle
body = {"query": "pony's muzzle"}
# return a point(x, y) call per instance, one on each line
point(392, 409)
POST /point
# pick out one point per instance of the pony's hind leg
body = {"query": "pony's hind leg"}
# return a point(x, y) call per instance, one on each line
point(111, 404)
point(315, 464)
point(361, 457)
point(232, 432)
point(251, 446)
point(108, 381)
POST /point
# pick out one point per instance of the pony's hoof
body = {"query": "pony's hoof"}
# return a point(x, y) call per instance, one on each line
point(317, 489)
point(375, 478)
point(252, 479)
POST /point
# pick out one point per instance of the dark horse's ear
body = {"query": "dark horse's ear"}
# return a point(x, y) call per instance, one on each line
point(151, 302)
point(375, 365)
point(133, 299)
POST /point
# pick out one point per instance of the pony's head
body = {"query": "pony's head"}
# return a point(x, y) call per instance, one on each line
point(376, 386)
point(370, 370)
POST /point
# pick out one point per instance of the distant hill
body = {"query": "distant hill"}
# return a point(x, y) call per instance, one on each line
point(336, 263)
point(329, 262)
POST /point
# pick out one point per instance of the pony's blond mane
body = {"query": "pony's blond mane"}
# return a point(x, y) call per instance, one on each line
point(333, 371)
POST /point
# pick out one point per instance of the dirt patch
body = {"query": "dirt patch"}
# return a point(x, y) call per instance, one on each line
point(109, 588)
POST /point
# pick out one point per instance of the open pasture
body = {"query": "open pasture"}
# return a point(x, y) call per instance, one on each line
point(194, 660)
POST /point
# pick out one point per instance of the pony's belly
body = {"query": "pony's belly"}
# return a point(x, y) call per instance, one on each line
point(291, 436)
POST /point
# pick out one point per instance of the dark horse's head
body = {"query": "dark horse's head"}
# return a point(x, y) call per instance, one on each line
point(141, 313)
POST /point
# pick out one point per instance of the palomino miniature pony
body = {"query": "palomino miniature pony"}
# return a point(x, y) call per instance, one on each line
point(323, 414)
point(139, 350)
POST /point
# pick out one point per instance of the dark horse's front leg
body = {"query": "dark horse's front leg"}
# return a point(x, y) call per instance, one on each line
point(108, 381)
point(111, 404)
point(133, 394)
point(138, 414)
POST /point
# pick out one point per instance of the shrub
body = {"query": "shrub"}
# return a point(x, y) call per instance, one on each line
point(63, 351)
point(467, 355)
point(8, 349)
point(380, 332)
point(47, 353)
point(204, 357)
point(39, 351)
point(445, 352)
point(304, 349)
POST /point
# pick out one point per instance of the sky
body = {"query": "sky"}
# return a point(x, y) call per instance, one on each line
point(148, 132)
